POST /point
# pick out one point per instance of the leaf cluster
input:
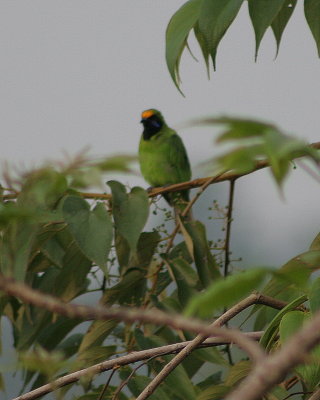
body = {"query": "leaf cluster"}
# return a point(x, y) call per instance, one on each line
point(209, 20)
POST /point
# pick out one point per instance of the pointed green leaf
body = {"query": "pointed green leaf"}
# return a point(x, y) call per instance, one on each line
point(215, 18)
point(215, 392)
point(290, 324)
point(176, 36)
point(92, 230)
point(314, 296)
point(262, 14)
point(183, 274)
point(225, 292)
point(207, 267)
point(280, 22)
point(237, 372)
point(315, 245)
point(268, 338)
point(312, 14)
point(130, 211)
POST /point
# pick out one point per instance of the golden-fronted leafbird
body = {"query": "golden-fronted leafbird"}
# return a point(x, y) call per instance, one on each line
point(162, 156)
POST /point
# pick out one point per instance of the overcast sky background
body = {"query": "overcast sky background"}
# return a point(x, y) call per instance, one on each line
point(77, 73)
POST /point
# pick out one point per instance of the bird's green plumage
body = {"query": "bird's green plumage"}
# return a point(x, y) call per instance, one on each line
point(162, 155)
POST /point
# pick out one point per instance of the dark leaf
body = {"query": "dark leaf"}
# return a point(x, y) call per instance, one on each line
point(262, 14)
point(312, 14)
point(215, 18)
point(92, 230)
point(225, 292)
point(176, 36)
point(130, 212)
point(280, 22)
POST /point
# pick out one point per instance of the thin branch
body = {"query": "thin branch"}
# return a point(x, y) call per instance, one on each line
point(273, 368)
point(228, 229)
point(125, 382)
point(121, 361)
point(105, 387)
point(227, 176)
point(227, 248)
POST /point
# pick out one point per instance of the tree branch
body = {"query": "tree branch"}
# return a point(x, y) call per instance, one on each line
point(227, 176)
point(272, 369)
point(130, 315)
point(121, 361)
point(254, 298)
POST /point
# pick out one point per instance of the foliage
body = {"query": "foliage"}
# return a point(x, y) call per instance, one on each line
point(209, 20)
point(60, 243)
point(95, 248)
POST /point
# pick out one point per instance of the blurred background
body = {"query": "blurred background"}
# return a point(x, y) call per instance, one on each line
point(78, 73)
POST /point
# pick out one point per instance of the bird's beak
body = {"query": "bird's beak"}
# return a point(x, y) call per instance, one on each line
point(143, 120)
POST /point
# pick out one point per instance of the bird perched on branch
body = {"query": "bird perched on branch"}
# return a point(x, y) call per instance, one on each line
point(163, 157)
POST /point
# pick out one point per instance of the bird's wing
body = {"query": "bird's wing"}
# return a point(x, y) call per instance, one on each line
point(178, 159)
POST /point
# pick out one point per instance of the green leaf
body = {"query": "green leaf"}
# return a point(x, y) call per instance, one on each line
point(262, 14)
point(268, 338)
point(287, 283)
point(97, 333)
point(185, 278)
point(315, 245)
point(215, 18)
point(225, 292)
point(238, 372)
point(312, 14)
point(207, 268)
point(92, 230)
point(129, 291)
point(280, 22)
point(130, 211)
point(176, 36)
point(178, 381)
point(314, 296)
point(94, 355)
point(290, 324)
point(72, 279)
point(137, 383)
point(216, 392)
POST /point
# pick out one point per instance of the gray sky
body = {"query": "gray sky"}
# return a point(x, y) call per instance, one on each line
point(77, 73)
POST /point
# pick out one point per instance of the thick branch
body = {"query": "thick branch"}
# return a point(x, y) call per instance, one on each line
point(130, 315)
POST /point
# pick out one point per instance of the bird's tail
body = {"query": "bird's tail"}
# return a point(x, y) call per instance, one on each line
point(180, 201)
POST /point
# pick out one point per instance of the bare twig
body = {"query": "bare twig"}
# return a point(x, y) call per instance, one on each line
point(228, 229)
point(273, 368)
point(105, 387)
point(125, 382)
point(120, 361)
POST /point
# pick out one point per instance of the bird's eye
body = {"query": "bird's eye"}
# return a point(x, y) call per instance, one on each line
point(156, 124)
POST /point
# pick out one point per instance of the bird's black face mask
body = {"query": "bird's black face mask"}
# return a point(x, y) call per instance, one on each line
point(151, 125)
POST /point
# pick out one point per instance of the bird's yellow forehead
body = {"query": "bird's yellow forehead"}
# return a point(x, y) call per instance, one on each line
point(147, 114)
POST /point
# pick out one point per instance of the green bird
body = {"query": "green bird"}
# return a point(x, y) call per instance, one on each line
point(163, 157)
